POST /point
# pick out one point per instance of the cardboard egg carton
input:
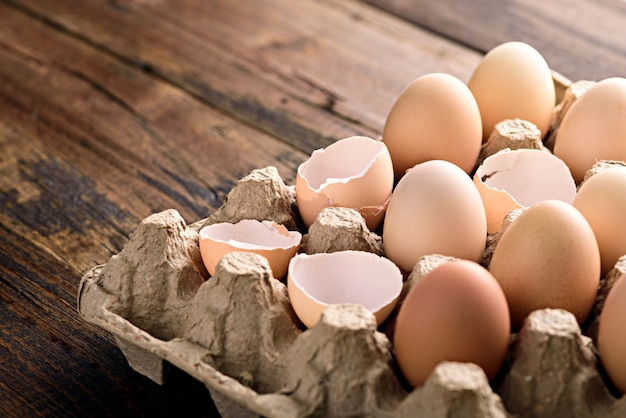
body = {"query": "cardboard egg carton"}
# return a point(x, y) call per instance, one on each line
point(237, 333)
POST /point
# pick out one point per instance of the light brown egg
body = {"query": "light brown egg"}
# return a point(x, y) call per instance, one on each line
point(513, 81)
point(612, 335)
point(354, 172)
point(434, 209)
point(548, 258)
point(456, 312)
point(265, 238)
point(434, 118)
point(602, 200)
point(512, 179)
point(594, 128)
point(318, 280)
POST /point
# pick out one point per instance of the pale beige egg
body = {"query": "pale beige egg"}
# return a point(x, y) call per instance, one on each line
point(512, 179)
point(434, 118)
point(317, 281)
point(513, 81)
point(265, 238)
point(602, 200)
point(354, 172)
point(434, 209)
point(548, 258)
point(594, 128)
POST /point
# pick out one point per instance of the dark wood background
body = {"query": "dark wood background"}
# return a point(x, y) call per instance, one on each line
point(111, 110)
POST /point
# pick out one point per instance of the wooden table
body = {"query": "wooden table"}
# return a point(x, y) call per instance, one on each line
point(113, 110)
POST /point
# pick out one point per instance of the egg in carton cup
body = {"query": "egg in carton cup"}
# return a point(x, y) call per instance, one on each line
point(237, 333)
point(237, 329)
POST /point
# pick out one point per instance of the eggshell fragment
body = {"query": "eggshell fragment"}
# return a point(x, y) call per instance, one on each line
point(358, 277)
point(434, 118)
point(354, 172)
point(457, 312)
point(594, 128)
point(511, 179)
point(602, 201)
point(434, 209)
point(612, 335)
point(266, 238)
point(548, 258)
point(513, 80)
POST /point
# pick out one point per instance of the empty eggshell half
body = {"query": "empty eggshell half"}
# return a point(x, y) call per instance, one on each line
point(511, 179)
point(316, 281)
point(266, 238)
point(354, 172)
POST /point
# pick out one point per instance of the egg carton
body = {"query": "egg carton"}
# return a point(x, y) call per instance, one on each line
point(237, 333)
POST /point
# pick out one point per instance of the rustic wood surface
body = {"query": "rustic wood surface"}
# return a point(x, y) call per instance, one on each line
point(113, 110)
point(581, 39)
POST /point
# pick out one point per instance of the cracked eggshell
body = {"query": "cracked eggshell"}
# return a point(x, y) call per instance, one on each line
point(513, 80)
point(317, 281)
point(512, 179)
point(435, 118)
point(354, 172)
point(434, 209)
point(266, 238)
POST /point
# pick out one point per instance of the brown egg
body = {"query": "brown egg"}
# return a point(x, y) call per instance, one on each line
point(602, 200)
point(456, 312)
point(513, 81)
point(434, 209)
point(594, 128)
point(318, 280)
point(265, 238)
point(434, 118)
point(354, 172)
point(548, 258)
point(612, 335)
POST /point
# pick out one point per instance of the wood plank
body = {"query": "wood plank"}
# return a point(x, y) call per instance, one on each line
point(309, 75)
point(583, 40)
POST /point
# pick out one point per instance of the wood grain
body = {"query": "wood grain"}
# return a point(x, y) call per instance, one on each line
point(280, 69)
point(581, 39)
point(113, 110)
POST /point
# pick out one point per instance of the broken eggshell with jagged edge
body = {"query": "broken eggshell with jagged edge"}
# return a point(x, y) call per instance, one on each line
point(354, 172)
point(317, 281)
point(512, 179)
point(266, 238)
